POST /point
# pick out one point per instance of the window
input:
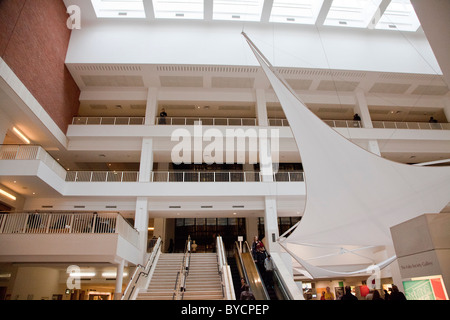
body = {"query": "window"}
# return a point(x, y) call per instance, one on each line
point(119, 8)
point(296, 11)
point(352, 13)
point(178, 9)
point(399, 15)
point(241, 10)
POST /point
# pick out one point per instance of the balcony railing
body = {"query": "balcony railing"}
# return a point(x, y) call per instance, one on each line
point(108, 120)
point(67, 223)
point(180, 121)
point(31, 152)
point(222, 176)
point(411, 125)
point(102, 176)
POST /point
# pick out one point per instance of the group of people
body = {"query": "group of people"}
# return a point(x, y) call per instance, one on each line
point(264, 264)
point(395, 294)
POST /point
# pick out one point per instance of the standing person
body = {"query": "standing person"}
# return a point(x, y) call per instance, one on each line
point(268, 275)
point(329, 295)
point(323, 296)
point(386, 295)
point(348, 294)
point(162, 116)
point(246, 294)
point(170, 250)
point(396, 294)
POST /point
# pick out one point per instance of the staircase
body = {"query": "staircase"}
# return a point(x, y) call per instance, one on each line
point(203, 281)
point(163, 281)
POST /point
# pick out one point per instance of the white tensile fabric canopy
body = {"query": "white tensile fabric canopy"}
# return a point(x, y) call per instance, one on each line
point(353, 196)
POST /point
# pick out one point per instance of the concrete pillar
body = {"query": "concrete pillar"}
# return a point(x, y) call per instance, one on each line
point(261, 108)
point(141, 223)
point(152, 106)
point(251, 228)
point(271, 224)
point(146, 165)
point(366, 121)
point(160, 231)
point(447, 109)
point(119, 281)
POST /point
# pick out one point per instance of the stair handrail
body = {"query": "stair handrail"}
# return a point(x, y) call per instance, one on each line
point(180, 282)
point(224, 271)
point(142, 271)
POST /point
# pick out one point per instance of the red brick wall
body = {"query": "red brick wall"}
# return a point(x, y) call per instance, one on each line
point(33, 42)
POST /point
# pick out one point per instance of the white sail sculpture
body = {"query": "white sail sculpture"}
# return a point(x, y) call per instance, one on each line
point(353, 196)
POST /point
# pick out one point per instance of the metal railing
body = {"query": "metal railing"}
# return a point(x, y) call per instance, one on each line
point(180, 282)
point(206, 121)
point(67, 223)
point(102, 176)
point(223, 176)
point(343, 123)
point(108, 121)
point(224, 271)
point(410, 125)
point(31, 152)
point(141, 274)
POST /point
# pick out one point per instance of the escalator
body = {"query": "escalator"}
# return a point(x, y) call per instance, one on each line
point(245, 267)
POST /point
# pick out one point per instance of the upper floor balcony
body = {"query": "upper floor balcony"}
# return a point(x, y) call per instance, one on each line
point(67, 237)
point(273, 122)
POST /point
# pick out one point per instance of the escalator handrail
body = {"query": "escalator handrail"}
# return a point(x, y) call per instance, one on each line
point(241, 262)
point(259, 274)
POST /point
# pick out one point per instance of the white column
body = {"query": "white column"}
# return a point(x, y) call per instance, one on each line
point(152, 106)
point(261, 108)
point(160, 231)
point(447, 109)
point(146, 165)
point(271, 224)
point(119, 281)
point(366, 121)
point(141, 223)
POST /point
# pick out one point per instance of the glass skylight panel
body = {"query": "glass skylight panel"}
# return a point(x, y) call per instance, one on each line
point(399, 15)
point(178, 9)
point(241, 10)
point(296, 11)
point(352, 13)
point(119, 8)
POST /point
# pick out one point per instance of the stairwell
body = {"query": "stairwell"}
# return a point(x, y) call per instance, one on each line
point(163, 281)
point(202, 283)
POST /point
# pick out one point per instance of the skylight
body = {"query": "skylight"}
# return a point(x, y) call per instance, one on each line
point(178, 9)
point(119, 8)
point(296, 11)
point(352, 13)
point(241, 10)
point(399, 15)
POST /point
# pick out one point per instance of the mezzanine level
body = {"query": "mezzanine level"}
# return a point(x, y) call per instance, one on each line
point(89, 237)
point(275, 122)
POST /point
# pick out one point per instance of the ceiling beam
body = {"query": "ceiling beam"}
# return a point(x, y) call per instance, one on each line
point(378, 14)
point(267, 10)
point(324, 12)
point(208, 10)
point(149, 10)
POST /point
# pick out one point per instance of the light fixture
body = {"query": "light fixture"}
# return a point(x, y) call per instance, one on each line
point(8, 195)
point(21, 135)
point(112, 274)
point(82, 274)
point(151, 229)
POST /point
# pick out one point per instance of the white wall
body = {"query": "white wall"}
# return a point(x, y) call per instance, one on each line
point(35, 283)
point(221, 43)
